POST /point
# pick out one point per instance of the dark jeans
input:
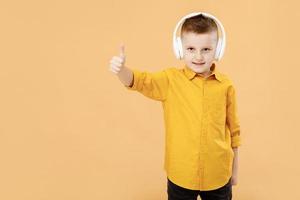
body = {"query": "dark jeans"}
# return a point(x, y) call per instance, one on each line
point(176, 192)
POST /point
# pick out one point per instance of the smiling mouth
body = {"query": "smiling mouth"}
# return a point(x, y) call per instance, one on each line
point(198, 63)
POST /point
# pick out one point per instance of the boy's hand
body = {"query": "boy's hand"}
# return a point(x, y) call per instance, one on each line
point(117, 62)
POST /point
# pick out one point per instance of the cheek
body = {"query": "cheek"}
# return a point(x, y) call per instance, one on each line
point(209, 56)
point(187, 57)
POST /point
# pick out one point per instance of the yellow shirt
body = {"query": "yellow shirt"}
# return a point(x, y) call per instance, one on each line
point(201, 124)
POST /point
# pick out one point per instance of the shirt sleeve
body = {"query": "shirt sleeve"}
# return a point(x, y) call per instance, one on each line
point(232, 118)
point(151, 84)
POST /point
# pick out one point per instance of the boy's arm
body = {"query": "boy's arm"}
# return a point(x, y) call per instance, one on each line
point(154, 85)
point(233, 123)
point(232, 119)
point(235, 162)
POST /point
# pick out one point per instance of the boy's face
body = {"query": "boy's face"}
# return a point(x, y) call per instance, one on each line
point(199, 49)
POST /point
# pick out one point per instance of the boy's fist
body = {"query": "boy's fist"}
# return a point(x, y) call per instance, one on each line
point(117, 62)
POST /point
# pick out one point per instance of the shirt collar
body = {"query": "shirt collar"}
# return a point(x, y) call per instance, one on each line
point(190, 74)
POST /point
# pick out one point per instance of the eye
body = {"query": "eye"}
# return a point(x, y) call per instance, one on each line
point(207, 49)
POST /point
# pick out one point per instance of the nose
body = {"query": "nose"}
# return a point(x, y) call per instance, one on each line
point(198, 55)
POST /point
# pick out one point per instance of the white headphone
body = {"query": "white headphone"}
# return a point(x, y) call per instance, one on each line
point(177, 44)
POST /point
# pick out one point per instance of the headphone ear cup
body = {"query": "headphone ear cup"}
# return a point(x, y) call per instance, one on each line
point(179, 47)
point(175, 48)
point(218, 49)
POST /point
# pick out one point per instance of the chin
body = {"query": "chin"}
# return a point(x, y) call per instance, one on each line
point(199, 70)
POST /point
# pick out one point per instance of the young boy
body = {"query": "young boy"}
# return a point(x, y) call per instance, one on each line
point(200, 115)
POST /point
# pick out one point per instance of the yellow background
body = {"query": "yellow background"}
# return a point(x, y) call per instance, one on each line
point(70, 130)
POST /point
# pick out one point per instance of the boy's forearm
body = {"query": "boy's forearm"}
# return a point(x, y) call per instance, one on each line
point(235, 161)
point(126, 76)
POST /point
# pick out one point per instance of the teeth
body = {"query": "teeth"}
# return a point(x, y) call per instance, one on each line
point(198, 63)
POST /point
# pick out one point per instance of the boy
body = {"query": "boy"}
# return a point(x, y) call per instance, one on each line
point(200, 114)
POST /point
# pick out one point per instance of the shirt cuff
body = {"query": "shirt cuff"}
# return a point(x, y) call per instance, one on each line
point(236, 141)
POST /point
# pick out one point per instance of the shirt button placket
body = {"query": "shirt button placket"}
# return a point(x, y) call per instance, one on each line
point(204, 118)
point(203, 132)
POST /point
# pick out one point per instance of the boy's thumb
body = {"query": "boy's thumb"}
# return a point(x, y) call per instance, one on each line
point(122, 50)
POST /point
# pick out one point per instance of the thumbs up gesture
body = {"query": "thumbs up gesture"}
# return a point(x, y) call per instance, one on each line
point(117, 62)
